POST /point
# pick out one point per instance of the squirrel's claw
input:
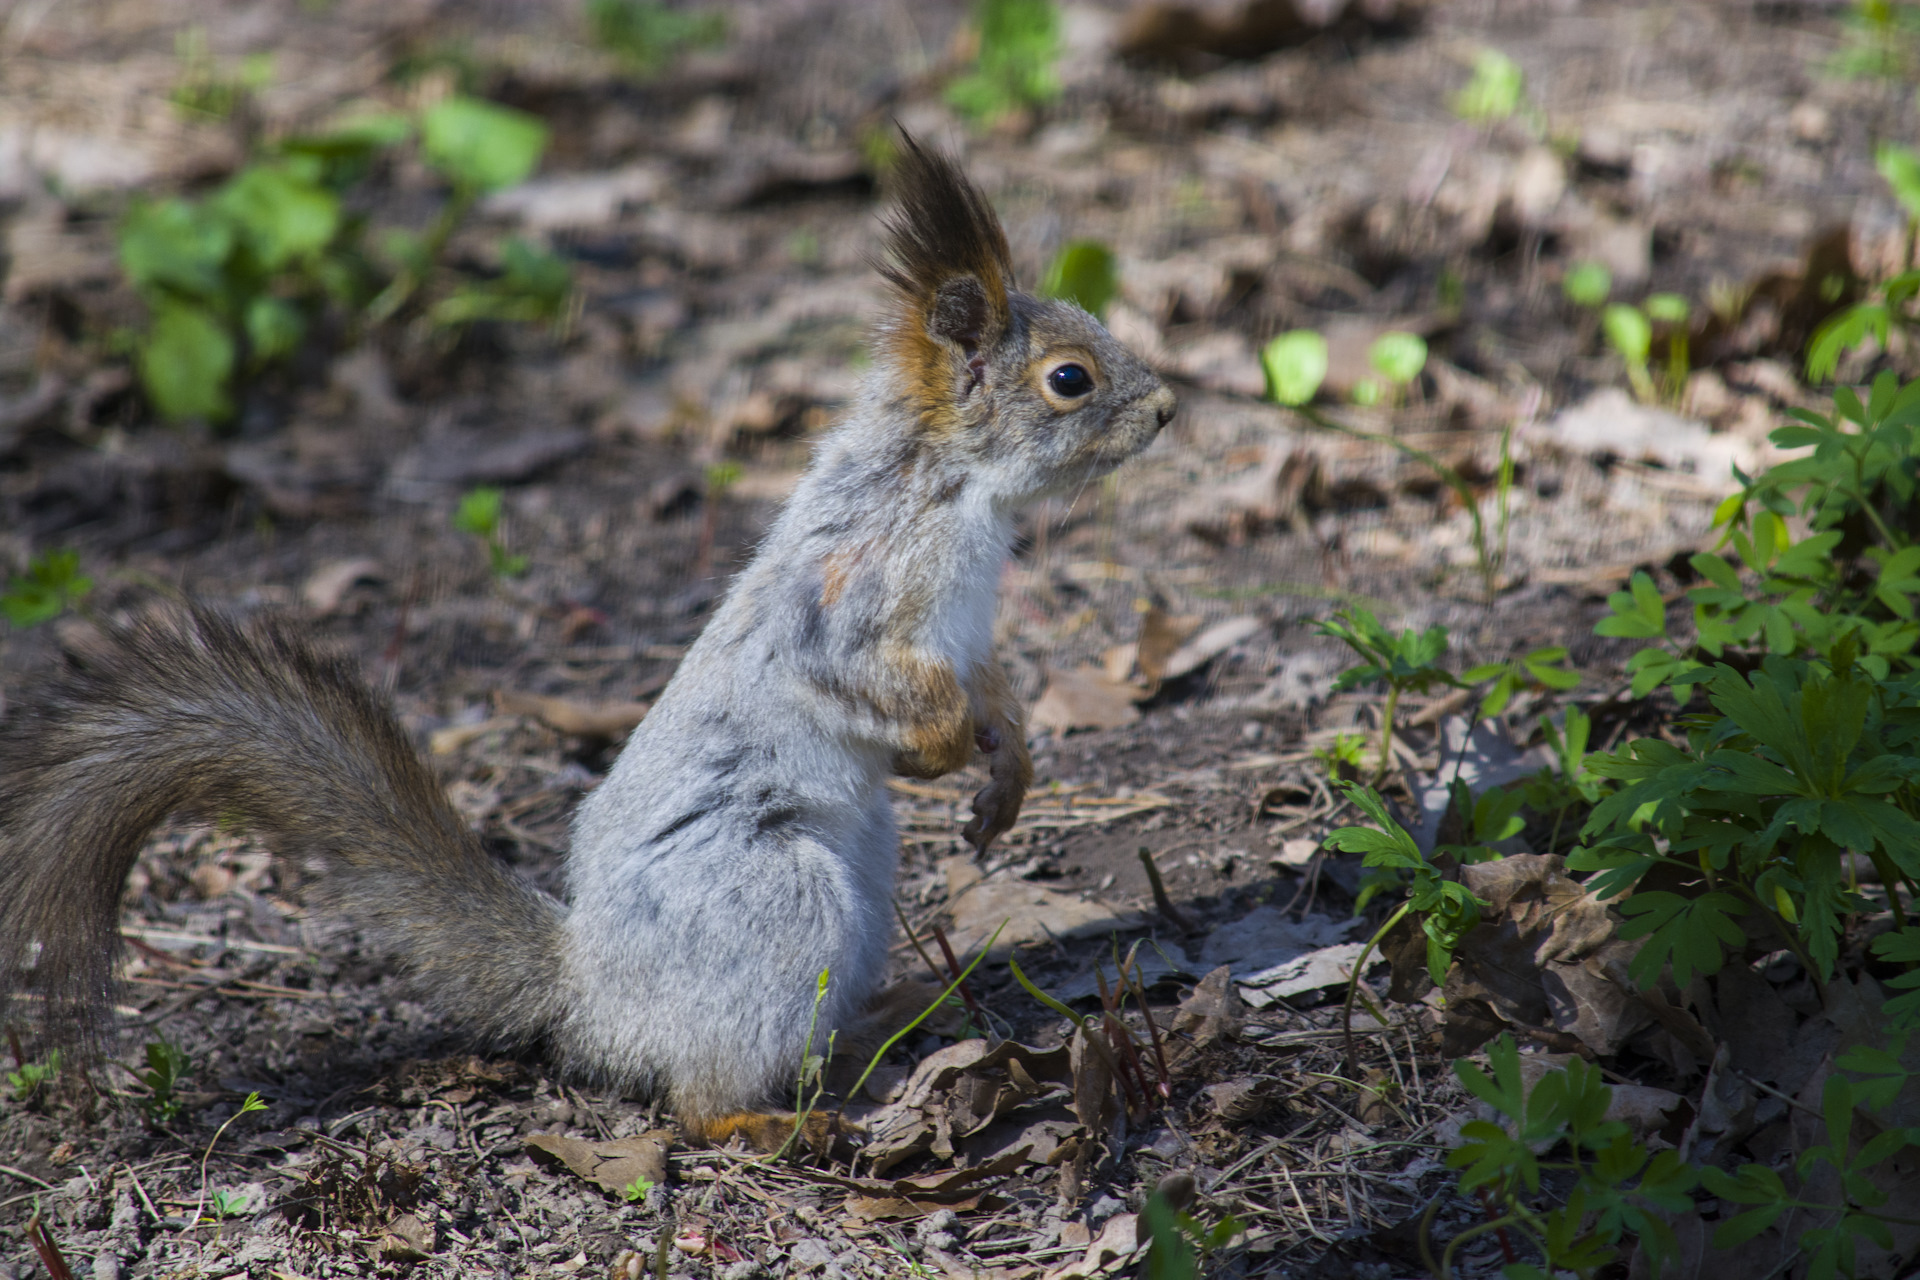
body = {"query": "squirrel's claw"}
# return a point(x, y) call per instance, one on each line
point(996, 806)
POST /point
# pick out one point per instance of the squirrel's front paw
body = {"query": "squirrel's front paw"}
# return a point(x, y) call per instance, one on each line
point(997, 805)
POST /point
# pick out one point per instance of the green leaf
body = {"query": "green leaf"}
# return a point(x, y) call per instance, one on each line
point(479, 145)
point(1084, 273)
point(1494, 92)
point(1638, 613)
point(1628, 332)
point(479, 512)
point(1587, 284)
point(1692, 934)
point(282, 217)
point(1398, 357)
point(1295, 364)
point(186, 362)
point(274, 327)
point(1668, 308)
point(176, 246)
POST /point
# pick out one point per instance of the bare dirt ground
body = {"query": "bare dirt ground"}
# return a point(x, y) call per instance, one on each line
point(719, 217)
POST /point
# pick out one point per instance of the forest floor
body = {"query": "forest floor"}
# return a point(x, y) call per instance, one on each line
point(719, 217)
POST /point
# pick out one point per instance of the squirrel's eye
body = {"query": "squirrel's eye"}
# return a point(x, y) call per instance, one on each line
point(1070, 381)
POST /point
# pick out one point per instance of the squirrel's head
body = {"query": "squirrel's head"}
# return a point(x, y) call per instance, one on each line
point(1030, 395)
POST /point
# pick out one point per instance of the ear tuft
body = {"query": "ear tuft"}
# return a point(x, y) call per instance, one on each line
point(949, 257)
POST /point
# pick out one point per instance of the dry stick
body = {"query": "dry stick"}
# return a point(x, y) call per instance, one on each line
point(1160, 899)
point(919, 950)
point(954, 971)
point(1121, 1045)
point(1131, 972)
point(50, 1256)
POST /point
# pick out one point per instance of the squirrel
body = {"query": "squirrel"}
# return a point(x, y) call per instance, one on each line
point(743, 841)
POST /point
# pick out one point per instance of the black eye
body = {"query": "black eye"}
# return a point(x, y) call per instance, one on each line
point(1070, 381)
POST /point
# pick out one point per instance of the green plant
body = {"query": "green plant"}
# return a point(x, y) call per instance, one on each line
point(51, 585)
point(1295, 364)
point(234, 282)
point(167, 1063)
point(251, 1104)
point(1672, 314)
point(637, 1190)
point(26, 1081)
point(1496, 91)
point(1631, 334)
point(479, 515)
point(1344, 757)
point(813, 1067)
point(1587, 284)
point(1539, 667)
point(1398, 359)
point(1406, 662)
point(1180, 1244)
point(648, 35)
point(1619, 1188)
point(1084, 273)
point(1019, 43)
point(228, 1204)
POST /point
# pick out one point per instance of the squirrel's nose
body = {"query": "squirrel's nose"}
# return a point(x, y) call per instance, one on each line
point(1163, 404)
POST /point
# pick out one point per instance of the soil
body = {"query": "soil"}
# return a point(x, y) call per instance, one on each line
point(720, 316)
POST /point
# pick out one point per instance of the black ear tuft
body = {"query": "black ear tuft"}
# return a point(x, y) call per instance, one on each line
point(945, 232)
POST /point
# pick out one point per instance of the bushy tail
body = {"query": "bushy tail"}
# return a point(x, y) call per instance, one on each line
point(185, 712)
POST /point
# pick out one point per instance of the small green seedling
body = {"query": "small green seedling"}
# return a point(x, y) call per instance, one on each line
point(27, 1080)
point(1344, 757)
point(51, 585)
point(228, 1204)
point(1019, 43)
point(167, 1064)
point(1672, 313)
point(1587, 284)
point(479, 515)
point(1631, 334)
point(1495, 91)
point(1085, 274)
point(251, 1104)
point(637, 1190)
point(1406, 662)
point(1295, 364)
point(648, 35)
point(1397, 357)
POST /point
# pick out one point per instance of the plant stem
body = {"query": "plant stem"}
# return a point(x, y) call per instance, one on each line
point(1353, 981)
point(1386, 734)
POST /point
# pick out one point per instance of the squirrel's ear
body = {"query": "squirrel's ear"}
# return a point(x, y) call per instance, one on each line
point(948, 256)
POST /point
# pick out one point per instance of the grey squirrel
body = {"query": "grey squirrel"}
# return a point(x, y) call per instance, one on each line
point(743, 841)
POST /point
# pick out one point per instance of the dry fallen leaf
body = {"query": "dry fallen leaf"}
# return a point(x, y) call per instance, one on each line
point(327, 585)
point(1118, 1243)
point(1083, 698)
point(1022, 910)
point(608, 720)
point(1208, 645)
point(1161, 636)
point(611, 1166)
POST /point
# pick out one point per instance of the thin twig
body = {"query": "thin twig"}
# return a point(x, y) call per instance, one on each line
point(1160, 898)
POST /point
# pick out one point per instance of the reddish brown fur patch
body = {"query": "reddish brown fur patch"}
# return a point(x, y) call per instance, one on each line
point(936, 721)
point(765, 1130)
point(835, 570)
